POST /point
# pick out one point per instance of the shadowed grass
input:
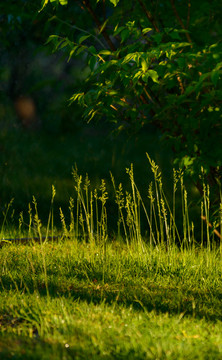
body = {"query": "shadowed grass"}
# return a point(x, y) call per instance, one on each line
point(63, 328)
point(179, 282)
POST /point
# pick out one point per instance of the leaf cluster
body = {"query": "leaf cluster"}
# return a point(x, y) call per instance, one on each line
point(158, 63)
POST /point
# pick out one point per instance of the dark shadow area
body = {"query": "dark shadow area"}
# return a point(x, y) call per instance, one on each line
point(147, 296)
point(32, 163)
point(19, 348)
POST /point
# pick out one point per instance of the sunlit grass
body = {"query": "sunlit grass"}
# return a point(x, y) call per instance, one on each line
point(124, 304)
point(150, 289)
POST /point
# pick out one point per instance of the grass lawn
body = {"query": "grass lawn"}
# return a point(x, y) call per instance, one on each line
point(147, 288)
point(75, 300)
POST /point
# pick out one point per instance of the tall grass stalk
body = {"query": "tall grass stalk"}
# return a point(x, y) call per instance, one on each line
point(5, 218)
point(206, 206)
point(140, 221)
point(158, 190)
point(175, 181)
point(120, 201)
point(30, 220)
point(134, 206)
point(220, 214)
point(38, 226)
point(84, 206)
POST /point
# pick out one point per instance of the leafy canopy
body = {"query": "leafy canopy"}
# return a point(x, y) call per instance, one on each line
point(156, 62)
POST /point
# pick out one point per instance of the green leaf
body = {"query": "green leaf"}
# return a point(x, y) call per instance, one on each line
point(213, 47)
point(72, 53)
point(64, 43)
point(216, 56)
point(170, 54)
point(130, 24)
point(219, 66)
point(105, 52)
point(154, 76)
point(146, 30)
point(144, 65)
point(44, 3)
point(128, 58)
point(124, 35)
point(187, 161)
point(114, 2)
point(103, 26)
point(215, 74)
point(204, 76)
point(91, 114)
point(83, 38)
point(60, 44)
point(92, 62)
point(180, 45)
point(145, 77)
point(118, 29)
point(92, 50)
point(175, 34)
point(51, 38)
point(189, 90)
point(62, 2)
point(76, 97)
point(137, 76)
point(80, 49)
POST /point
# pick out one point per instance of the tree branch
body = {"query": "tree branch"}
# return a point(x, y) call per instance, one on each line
point(180, 21)
point(94, 16)
point(188, 13)
point(149, 16)
point(76, 28)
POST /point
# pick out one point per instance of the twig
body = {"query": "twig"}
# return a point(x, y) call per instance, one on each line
point(188, 13)
point(180, 21)
point(94, 16)
point(149, 16)
point(211, 226)
point(77, 28)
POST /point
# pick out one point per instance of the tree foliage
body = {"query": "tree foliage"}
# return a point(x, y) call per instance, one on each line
point(156, 62)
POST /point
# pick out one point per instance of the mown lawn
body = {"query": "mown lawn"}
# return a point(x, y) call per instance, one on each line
point(76, 300)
